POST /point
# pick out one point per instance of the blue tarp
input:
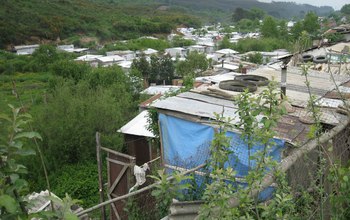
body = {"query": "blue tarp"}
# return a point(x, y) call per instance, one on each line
point(187, 144)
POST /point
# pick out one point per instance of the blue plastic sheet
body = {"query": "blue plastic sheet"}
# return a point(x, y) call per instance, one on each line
point(187, 144)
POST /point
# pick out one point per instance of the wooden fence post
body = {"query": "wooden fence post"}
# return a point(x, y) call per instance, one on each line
point(100, 179)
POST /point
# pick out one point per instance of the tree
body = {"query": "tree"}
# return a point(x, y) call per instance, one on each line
point(345, 9)
point(70, 69)
point(143, 66)
point(255, 58)
point(283, 30)
point(162, 69)
point(75, 111)
point(168, 68)
point(225, 43)
point(178, 41)
point(247, 25)
point(194, 64)
point(44, 56)
point(296, 30)
point(256, 13)
point(155, 69)
point(269, 27)
point(239, 14)
point(310, 23)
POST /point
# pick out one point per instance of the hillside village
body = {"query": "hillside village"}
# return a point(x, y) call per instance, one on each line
point(208, 142)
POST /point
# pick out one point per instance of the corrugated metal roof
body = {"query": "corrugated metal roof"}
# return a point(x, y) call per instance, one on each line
point(292, 127)
point(162, 89)
point(113, 58)
point(125, 64)
point(227, 66)
point(194, 107)
point(217, 78)
point(138, 126)
point(88, 57)
point(226, 51)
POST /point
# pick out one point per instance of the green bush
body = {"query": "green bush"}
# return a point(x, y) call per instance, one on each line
point(264, 44)
point(255, 58)
point(69, 69)
point(74, 111)
point(73, 114)
point(79, 180)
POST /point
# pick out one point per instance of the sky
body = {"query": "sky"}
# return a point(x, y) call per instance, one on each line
point(336, 4)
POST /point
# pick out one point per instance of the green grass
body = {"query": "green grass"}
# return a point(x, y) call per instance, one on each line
point(30, 88)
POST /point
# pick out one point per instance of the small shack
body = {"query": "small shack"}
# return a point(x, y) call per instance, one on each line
point(188, 121)
point(137, 138)
point(26, 49)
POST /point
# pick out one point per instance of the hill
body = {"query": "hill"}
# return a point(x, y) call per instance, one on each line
point(38, 21)
point(225, 8)
point(95, 21)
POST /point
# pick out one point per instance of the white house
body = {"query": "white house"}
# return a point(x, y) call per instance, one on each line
point(70, 48)
point(225, 52)
point(198, 48)
point(227, 66)
point(176, 51)
point(235, 37)
point(26, 49)
point(150, 51)
point(126, 54)
point(89, 58)
point(290, 24)
point(209, 45)
point(109, 60)
point(213, 57)
point(125, 65)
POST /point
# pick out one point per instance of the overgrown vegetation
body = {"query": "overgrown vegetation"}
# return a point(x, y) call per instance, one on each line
point(69, 102)
point(14, 187)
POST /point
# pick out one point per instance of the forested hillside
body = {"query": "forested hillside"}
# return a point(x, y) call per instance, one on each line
point(37, 21)
point(222, 9)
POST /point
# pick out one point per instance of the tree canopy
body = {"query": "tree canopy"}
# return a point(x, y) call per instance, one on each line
point(345, 9)
point(269, 27)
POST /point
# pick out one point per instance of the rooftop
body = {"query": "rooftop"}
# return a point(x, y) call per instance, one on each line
point(138, 126)
point(113, 58)
point(160, 89)
point(201, 103)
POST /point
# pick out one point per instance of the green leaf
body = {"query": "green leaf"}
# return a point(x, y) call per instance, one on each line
point(156, 193)
point(26, 152)
point(9, 203)
point(19, 123)
point(345, 178)
point(16, 144)
point(70, 216)
point(31, 134)
point(14, 177)
point(21, 184)
point(5, 117)
point(26, 115)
